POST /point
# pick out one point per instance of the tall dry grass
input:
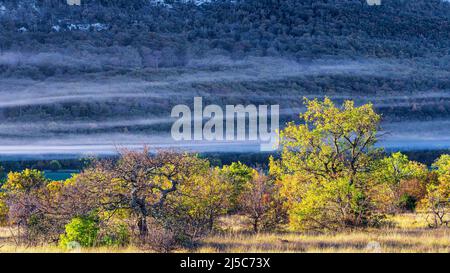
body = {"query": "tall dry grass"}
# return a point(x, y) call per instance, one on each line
point(408, 234)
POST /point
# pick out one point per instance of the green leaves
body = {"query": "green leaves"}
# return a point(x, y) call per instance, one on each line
point(333, 141)
point(81, 230)
point(238, 175)
point(442, 165)
point(329, 156)
point(26, 180)
point(397, 167)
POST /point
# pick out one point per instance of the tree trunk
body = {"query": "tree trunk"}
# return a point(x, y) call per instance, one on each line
point(255, 225)
point(211, 223)
point(143, 228)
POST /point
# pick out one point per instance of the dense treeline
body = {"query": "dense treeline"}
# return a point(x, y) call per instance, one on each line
point(257, 160)
point(329, 176)
point(406, 107)
point(299, 29)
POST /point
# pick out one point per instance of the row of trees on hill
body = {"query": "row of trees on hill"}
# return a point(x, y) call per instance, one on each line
point(329, 177)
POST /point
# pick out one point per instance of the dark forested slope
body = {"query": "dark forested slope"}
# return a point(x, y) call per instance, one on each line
point(297, 28)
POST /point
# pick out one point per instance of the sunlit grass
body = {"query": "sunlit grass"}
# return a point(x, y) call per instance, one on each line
point(385, 240)
point(409, 220)
point(409, 233)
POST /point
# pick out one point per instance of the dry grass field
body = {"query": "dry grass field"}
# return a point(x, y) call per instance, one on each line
point(410, 234)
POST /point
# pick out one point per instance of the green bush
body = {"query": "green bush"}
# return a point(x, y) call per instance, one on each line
point(83, 230)
point(117, 235)
point(407, 202)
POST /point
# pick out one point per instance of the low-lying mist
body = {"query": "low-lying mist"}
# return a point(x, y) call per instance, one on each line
point(79, 112)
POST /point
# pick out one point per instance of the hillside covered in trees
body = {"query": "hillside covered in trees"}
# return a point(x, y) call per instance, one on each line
point(298, 29)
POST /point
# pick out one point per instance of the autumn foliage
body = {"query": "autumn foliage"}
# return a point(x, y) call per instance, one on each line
point(329, 176)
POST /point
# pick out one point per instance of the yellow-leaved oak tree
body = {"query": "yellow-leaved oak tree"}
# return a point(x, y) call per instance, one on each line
point(325, 166)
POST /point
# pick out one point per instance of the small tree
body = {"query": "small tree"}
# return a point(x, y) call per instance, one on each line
point(139, 182)
point(148, 180)
point(437, 202)
point(435, 206)
point(25, 194)
point(331, 152)
point(259, 202)
point(81, 230)
point(406, 180)
point(238, 174)
point(200, 201)
point(55, 165)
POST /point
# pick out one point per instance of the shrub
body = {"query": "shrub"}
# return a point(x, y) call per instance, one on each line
point(411, 191)
point(25, 181)
point(330, 205)
point(83, 230)
point(29, 205)
point(406, 180)
point(407, 202)
point(159, 238)
point(193, 211)
point(3, 210)
point(261, 203)
point(115, 235)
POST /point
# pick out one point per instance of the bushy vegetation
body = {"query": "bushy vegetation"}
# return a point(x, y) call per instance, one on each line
point(330, 156)
point(328, 177)
point(80, 230)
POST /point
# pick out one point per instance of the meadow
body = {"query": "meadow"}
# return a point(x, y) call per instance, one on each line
point(407, 233)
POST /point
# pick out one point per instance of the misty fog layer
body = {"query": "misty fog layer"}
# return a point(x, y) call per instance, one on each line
point(97, 114)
